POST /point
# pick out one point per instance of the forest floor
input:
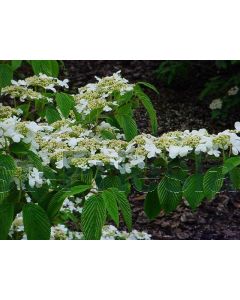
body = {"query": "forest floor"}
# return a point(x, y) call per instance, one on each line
point(178, 108)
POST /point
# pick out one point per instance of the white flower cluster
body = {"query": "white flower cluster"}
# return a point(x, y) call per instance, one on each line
point(89, 149)
point(8, 129)
point(43, 81)
point(21, 92)
point(7, 111)
point(95, 96)
point(67, 144)
point(22, 89)
point(12, 129)
point(233, 91)
point(218, 103)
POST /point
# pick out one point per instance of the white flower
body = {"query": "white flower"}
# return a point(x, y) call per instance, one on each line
point(214, 152)
point(152, 150)
point(181, 151)
point(44, 76)
point(91, 86)
point(201, 148)
point(95, 162)
point(29, 200)
point(63, 83)
point(19, 82)
point(51, 87)
point(109, 152)
point(233, 91)
point(104, 125)
point(138, 160)
point(34, 127)
point(205, 145)
point(126, 168)
point(62, 163)
point(107, 108)
point(35, 178)
point(216, 104)
point(16, 137)
point(237, 126)
point(235, 141)
point(83, 103)
point(73, 142)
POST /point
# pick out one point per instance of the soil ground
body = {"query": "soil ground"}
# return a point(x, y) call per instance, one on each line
point(178, 108)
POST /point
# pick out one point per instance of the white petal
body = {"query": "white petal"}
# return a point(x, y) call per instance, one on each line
point(237, 126)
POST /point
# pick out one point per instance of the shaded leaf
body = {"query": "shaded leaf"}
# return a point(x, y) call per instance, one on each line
point(36, 223)
point(6, 219)
point(193, 190)
point(169, 193)
point(65, 103)
point(6, 75)
point(109, 198)
point(212, 182)
point(93, 217)
point(152, 205)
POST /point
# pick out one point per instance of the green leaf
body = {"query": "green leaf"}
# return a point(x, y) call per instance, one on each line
point(5, 182)
point(193, 190)
point(125, 207)
point(152, 206)
point(169, 193)
point(6, 219)
point(7, 171)
point(212, 182)
point(149, 85)
point(86, 176)
point(178, 169)
point(16, 64)
point(109, 182)
point(7, 162)
point(138, 182)
point(19, 148)
point(41, 196)
point(230, 164)
point(52, 115)
point(93, 217)
point(48, 67)
point(57, 200)
point(108, 135)
point(36, 223)
point(65, 103)
point(6, 75)
point(92, 117)
point(124, 117)
point(146, 101)
point(235, 177)
point(25, 109)
point(111, 204)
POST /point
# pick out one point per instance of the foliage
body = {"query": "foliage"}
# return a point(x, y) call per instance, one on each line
point(171, 71)
point(71, 160)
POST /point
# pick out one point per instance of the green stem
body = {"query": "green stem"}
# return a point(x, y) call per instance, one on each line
point(224, 156)
point(96, 173)
point(198, 163)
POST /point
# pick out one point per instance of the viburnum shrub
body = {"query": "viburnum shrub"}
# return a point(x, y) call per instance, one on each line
point(69, 162)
